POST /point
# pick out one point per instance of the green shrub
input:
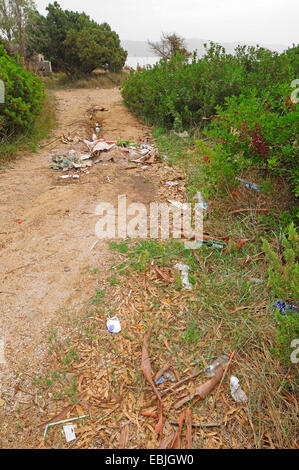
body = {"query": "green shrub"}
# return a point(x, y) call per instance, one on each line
point(262, 130)
point(284, 283)
point(256, 121)
point(24, 96)
point(177, 94)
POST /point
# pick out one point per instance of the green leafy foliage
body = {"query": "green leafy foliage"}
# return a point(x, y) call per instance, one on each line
point(242, 102)
point(24, 96)
point(284, 283)
point(260, 130)
point(73, 42)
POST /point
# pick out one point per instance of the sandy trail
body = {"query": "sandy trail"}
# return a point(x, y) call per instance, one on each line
point(42, 258)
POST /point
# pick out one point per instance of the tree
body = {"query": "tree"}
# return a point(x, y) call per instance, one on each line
point(169, 45)
point(73, 42)
point(14, 16)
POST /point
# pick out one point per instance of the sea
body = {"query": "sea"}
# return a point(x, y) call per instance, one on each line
point(141, 61)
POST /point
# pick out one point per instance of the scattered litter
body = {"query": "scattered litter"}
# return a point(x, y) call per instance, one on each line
point(164, 377)
point(237, 393)
point(215, 244)
point(172, 183)
point(69, 432)
point(69, 176)
point(211, 369)
point(100, 147)
point(113, 325)
point(283, 306)
point(200, 200)
point(184, 275)
point(62, 422)
point(250, 185)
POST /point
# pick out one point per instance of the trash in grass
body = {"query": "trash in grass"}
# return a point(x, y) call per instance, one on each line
point(237, 393)
point(172, 183)
point(62, 422)
point(283, 306)
point(113, 325)
point(200, 200)
point(164, 378)
point(250, 185)
point(184, 275)
point(211, 369)
point(69, 432)
point(215, 244)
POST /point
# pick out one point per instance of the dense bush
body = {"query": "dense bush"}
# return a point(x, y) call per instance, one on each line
point(260, 130)
point(243, 101)
point(177, 93)
point(24, 96)
point(73, 42)
point(284, 283)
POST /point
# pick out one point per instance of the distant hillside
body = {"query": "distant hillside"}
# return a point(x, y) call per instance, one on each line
point(141, 48)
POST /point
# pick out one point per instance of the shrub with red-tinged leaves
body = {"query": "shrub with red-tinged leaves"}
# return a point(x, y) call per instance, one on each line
point(261, 131)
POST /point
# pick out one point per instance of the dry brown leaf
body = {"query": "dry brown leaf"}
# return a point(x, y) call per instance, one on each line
point(177, 439)
point(167, 441)
point(189, 429)
point(123, 437)
point(148, 374)
point(203, 390)
point(241, 242)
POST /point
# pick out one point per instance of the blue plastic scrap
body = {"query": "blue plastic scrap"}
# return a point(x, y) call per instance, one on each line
point(161, 380)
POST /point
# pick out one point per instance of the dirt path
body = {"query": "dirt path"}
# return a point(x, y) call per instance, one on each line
point(43, 257)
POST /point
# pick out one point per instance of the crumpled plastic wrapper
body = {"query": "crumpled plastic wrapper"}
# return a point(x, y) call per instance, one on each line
point(237, 393)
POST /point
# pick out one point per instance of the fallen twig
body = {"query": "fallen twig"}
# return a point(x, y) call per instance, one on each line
point(223, 377)
point(238, 211)
point(148, 374)
point(201, 425)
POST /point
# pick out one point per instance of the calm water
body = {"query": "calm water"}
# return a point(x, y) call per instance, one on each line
point(142, 61)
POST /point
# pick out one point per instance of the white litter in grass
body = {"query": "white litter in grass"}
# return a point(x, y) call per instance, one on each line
point(237, 393)
point(200, 200)
point(113, 325)
point(184, 275)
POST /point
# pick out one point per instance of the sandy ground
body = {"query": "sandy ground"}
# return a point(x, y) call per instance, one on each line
point(43, 257)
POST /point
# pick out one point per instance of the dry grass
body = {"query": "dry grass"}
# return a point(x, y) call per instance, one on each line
point(228, 310)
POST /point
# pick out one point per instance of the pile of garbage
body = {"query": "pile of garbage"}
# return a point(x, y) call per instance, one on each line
point(101, 150)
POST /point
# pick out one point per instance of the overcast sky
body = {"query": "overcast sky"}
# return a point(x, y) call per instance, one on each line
point(261, 21)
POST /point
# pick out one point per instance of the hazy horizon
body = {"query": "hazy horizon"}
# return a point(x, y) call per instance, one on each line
point(270, 22)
